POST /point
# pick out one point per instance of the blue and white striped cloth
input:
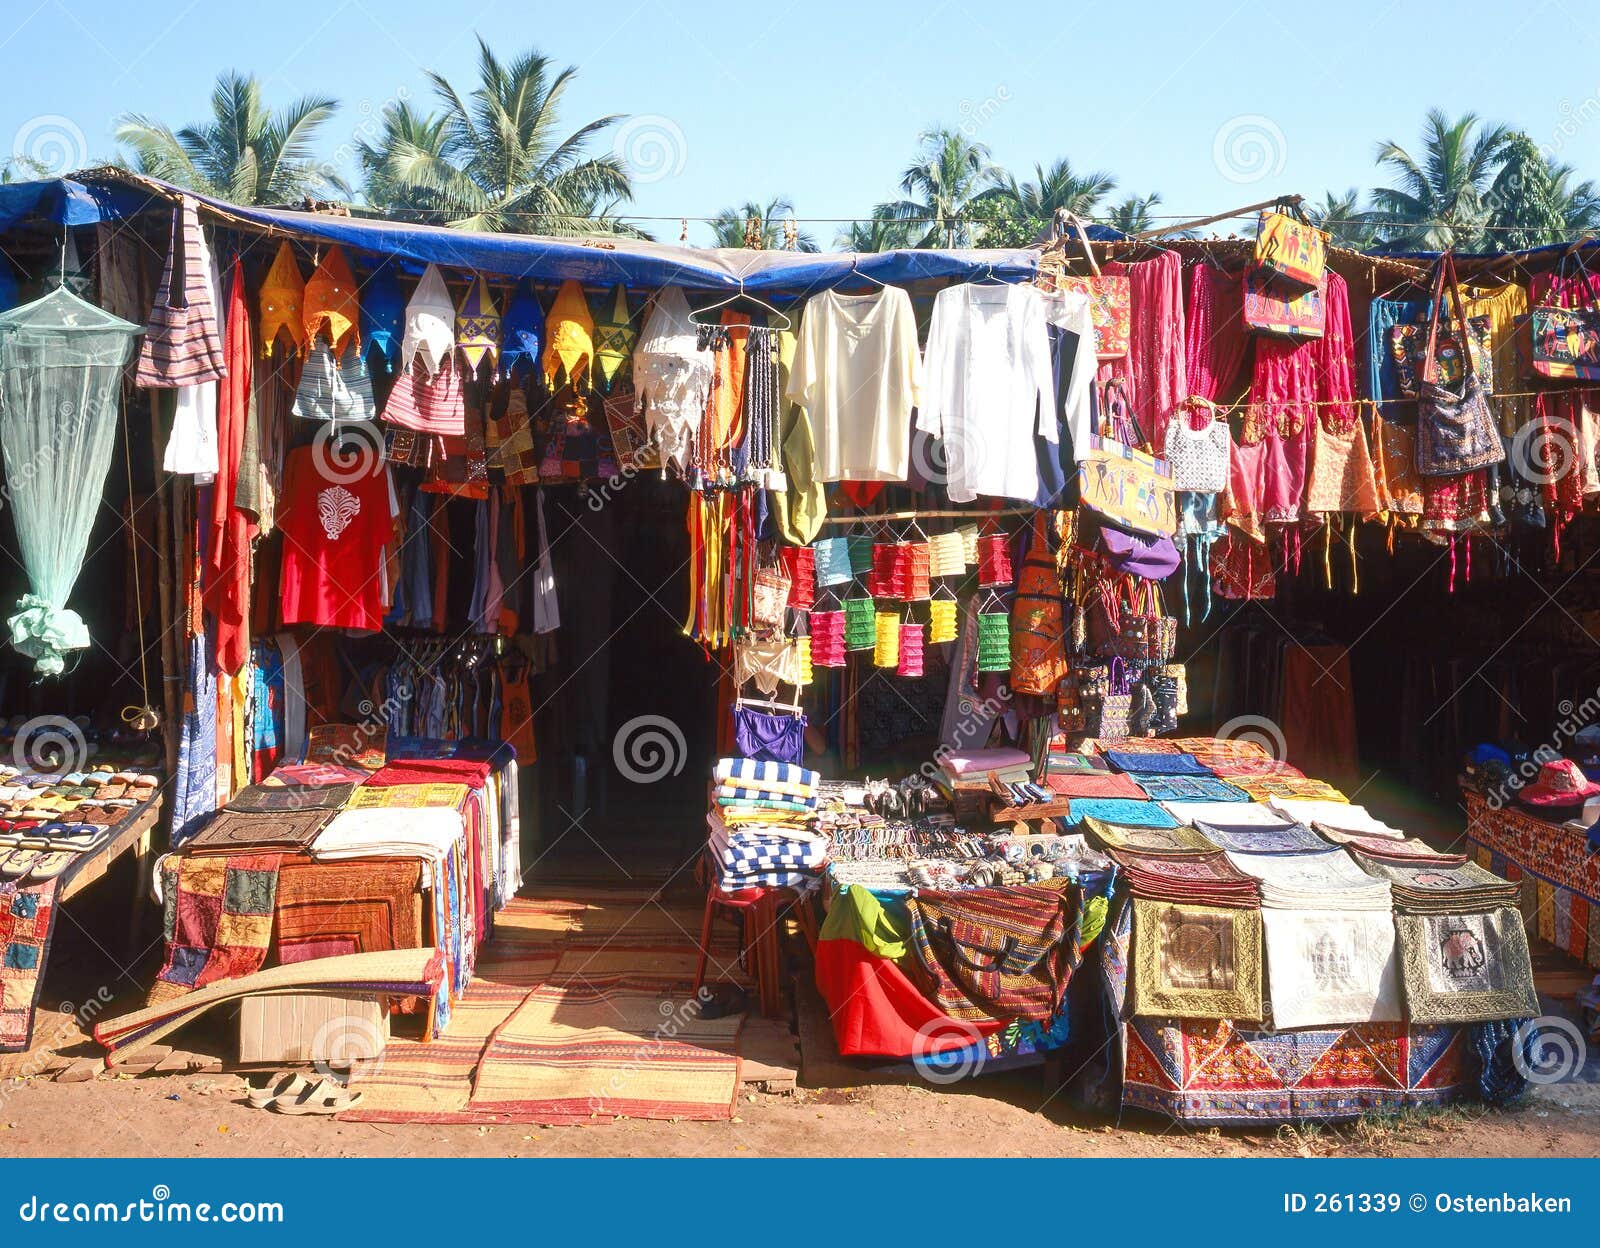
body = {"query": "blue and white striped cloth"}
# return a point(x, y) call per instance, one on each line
point(804, 881)
point(760, 774)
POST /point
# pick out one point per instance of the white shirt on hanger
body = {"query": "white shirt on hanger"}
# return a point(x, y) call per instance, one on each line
point(857, 375)
point(988, 388)
point(192, 444)
point(1069, 310)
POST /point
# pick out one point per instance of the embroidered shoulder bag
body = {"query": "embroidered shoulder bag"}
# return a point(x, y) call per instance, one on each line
point(1455, 432)
point(1110, 300)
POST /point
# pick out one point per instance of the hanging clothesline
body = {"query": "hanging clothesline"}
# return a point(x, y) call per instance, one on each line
point(943, 514)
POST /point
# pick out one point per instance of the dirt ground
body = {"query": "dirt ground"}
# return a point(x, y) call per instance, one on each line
point(1000, 1116)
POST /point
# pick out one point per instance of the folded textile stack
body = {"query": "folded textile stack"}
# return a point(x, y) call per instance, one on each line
point(1405, 852)
point(1253, 838)
point(1199, 878)
point(1463, 889)
point(1333, 817)
point(1159, 787)
point(1156, 764)
point(1265, 788)
point(763, 826)
point(1317, 881)
point(1227, 814)
point(428, 833)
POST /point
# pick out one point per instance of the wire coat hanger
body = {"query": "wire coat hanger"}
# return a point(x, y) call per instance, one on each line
point(741, 293)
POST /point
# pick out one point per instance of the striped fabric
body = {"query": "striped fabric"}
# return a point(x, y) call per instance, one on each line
point(770, 856)
point(781, 798)
point(732, 882)
point(183, 343)
point(330, 389)
point(766, 773)
point(427, 404)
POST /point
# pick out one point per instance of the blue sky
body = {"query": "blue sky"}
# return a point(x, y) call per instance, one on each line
point(1212, 105)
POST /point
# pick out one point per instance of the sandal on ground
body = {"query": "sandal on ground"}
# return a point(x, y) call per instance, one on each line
point(290, 1083)
point(323, 1097)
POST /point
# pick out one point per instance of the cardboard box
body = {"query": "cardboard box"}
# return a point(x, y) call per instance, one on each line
point(322, 1027)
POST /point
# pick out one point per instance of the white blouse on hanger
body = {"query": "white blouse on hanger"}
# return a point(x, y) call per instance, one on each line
point(857, 375)
point(989, 388)
point(192, 444)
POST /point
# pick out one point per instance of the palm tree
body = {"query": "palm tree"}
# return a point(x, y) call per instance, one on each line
point(1341, 215)
point(406, 157)
point(245, 153)
point(1440, 200)
point(1522, 201)
point(1053, 189)
point(1578, 206)
point(497, 162)
point(731, 227)
point(882, 231)
point(946, 177)
point(1132, 215)
point(23, 169)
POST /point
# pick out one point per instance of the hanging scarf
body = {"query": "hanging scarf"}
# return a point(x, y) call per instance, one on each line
point(227, 591)
point(1217, 340)
point(1155, 363)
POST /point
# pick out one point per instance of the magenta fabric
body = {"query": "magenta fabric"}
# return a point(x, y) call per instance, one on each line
point(1214, 332)
point(1155, 365)
point(1336, 357)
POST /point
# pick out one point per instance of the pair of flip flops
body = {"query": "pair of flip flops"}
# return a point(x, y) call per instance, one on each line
point(294, 1094)
point(34, 866)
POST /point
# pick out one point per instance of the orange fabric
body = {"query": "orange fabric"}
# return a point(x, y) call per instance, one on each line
point(283, 294)
point(227, 572)
point(1038, 647)
point(331, 302)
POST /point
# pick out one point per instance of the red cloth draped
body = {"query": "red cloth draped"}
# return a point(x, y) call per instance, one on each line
point(1215, 337)
point(877, 1010)
point(227, 579)
point(1154, 366)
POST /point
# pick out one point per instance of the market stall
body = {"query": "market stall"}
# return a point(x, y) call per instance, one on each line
point(960, 560)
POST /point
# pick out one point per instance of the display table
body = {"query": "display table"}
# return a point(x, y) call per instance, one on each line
point(1560, 877)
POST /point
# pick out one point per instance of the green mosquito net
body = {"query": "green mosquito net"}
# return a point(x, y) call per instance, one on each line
point(61, 362)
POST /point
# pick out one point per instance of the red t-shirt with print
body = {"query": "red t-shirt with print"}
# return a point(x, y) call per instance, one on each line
point(337, 516)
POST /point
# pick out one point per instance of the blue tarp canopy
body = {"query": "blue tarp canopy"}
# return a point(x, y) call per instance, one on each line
point(599, 261)
point(63, 201)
